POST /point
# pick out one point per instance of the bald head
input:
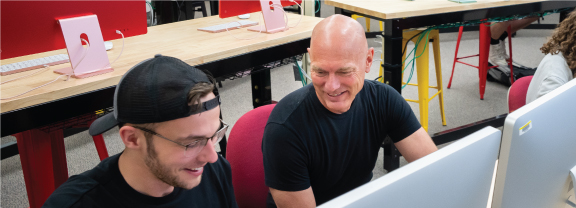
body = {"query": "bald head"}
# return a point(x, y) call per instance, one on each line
point(339, 61)
point(339, 31)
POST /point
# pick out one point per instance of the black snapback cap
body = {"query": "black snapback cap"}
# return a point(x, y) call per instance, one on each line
point(153, 91)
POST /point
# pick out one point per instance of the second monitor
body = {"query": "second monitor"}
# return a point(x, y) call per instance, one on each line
point(458, 175)
point(537, 161)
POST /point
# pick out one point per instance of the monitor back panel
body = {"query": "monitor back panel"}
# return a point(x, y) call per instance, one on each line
point(30, 27)
point(538, 150)
point(458, 175)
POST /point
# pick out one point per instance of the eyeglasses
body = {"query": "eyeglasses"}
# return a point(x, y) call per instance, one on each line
point(192, 149)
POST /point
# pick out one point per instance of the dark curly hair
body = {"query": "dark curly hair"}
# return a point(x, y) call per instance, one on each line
point(564, 40)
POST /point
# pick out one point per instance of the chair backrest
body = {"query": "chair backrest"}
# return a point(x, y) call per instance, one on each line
point(244, 153)
point(517, 93)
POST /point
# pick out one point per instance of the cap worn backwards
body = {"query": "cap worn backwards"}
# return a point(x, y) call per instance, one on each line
point(153, 91)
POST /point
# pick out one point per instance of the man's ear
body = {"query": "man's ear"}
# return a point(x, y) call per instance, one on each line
point(369, 59)
point(130, 137)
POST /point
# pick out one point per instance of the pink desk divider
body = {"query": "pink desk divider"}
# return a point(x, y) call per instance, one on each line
point(273, 19)
point(95, 61)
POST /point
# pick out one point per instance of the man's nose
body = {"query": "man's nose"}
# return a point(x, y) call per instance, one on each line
point(332, 84)
point(208, 153)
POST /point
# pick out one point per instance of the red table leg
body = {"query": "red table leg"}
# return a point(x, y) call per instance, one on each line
point(483, 57)
point(43, 160)
point(100, 146)
point(59, 162)
point(460, 30)
point(509, 31)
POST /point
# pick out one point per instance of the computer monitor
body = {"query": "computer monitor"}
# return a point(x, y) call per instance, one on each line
point(30, 27)
point(229, 8)
point(538, 151)
point(458, 175)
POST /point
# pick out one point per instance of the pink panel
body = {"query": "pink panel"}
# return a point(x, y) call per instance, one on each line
point(96, 57)
point(274, 20)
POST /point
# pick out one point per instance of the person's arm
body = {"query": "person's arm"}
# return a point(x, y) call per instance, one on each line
point(408, 135)
point(549, 84)
point(286, 168)
point(415, 146)
point(297, 199)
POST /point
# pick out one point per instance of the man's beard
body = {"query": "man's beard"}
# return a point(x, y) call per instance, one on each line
point(160, 171)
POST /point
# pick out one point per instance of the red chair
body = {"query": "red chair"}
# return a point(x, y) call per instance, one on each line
point(245, 156)
point(482, 56)
point(517, 93)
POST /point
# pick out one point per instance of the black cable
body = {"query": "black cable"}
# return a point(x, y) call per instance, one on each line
point(404, 50)
point(179, 8)
point(406, 45)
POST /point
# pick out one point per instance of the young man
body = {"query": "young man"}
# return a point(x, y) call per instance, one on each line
point(168, 116)
point(323, 139)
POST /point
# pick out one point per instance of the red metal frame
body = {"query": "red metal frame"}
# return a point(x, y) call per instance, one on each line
point(483, 57)
point(43, 157)
point(509, 30)
point(484, 46)
point(43, 160)
point(100, 146)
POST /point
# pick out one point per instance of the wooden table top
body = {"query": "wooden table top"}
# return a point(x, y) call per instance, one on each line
point(180, 39)
point(391, 9)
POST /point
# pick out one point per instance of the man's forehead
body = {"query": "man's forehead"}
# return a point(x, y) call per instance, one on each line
point(346, 43)
point(338, 50)
point(194, 120)
point(341, 68)
point(192, 130)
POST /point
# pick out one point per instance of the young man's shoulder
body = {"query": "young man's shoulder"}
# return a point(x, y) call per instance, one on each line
point(93, 188)
point(221, 167)
point(216, 189)
point(79, 188)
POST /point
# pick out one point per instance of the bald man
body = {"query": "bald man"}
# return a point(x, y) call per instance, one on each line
point(323, 140)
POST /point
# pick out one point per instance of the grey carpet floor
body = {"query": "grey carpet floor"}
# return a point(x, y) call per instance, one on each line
point(462, 103)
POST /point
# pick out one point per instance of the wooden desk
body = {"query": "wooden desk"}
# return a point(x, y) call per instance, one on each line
point(180, 40)
point(216, 52)
point(219, 53)
point(391, 9)
point(398, 15)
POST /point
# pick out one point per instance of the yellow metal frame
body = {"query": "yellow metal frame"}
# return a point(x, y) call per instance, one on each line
point(422, 70)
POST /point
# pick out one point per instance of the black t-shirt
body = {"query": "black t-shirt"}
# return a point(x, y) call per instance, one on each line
point(104, 186)
point(305, 144)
